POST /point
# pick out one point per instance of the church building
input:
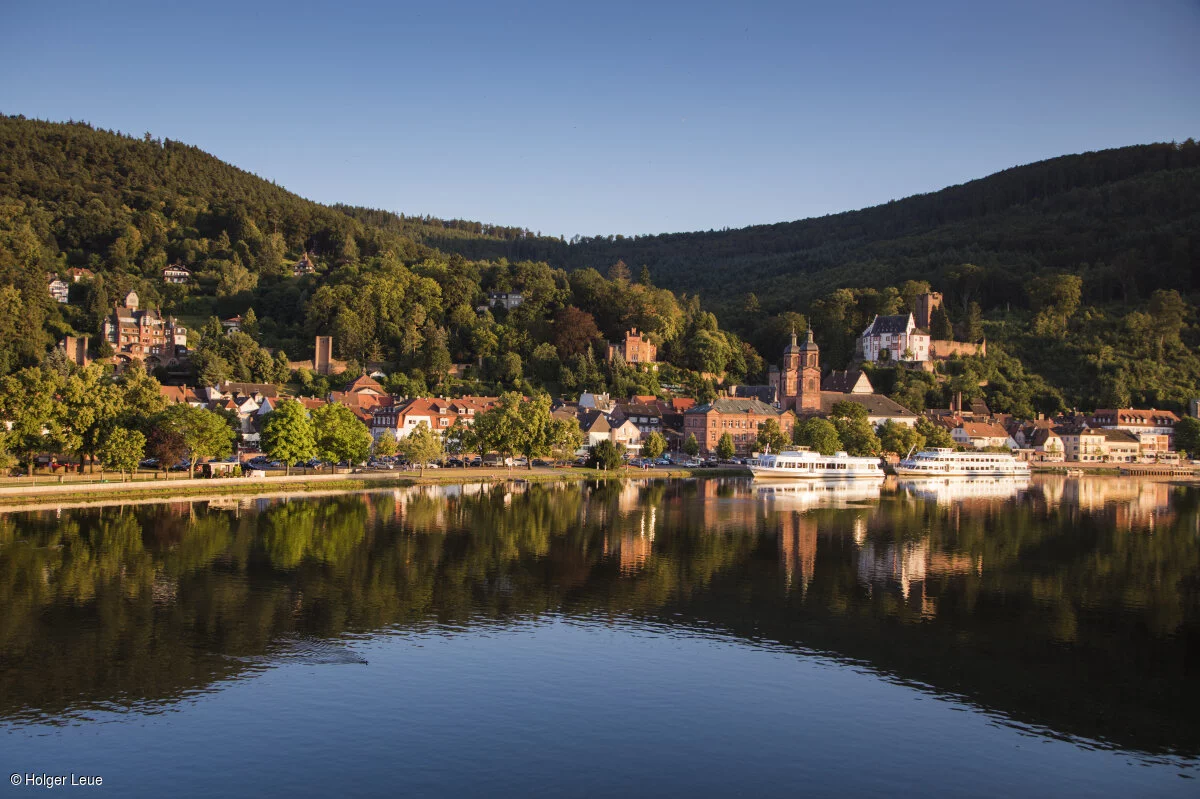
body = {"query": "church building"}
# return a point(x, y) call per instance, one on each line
point(798, 384)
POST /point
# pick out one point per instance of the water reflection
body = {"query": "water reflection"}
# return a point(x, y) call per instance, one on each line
point(1070, 605)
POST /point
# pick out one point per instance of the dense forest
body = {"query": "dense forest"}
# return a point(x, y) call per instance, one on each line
point(1077, 270)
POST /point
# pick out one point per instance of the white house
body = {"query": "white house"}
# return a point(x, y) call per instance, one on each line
point(982, 434)
point(898, 336)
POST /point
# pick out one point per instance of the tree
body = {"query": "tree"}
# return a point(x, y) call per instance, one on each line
point(941, 328)
point(386, 446)
point(819, 435)
point(1187, 436)
point(900, 439)
point(725, 448)
point(770, 437)
point(1168, 311)
point(288, 435)
point(27, 402)
point(90, 404)
point(654, 445)
point(606, 455)
point(854, 429)
point(934, 434)
point(204, 434)
point(574, 331)
point(166, 446)
point(339, 435)
point(566, 438)
point(534, 427)
point(973, 324)
point(421, 446)
point(1055, 299)
point(691, 446)
point(122, 450)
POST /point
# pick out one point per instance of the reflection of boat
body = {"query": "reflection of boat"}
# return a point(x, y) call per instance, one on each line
point(804, 464)
point(945, 462)
point(948, 489)
point(818, 491)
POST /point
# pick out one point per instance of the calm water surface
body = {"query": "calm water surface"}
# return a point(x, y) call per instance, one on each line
point(666, 638)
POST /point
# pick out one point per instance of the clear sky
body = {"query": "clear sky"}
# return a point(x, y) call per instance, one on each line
point(614, 117)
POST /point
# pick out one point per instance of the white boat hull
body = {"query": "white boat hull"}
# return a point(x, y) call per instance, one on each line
point(952, 471)
point(777, 473)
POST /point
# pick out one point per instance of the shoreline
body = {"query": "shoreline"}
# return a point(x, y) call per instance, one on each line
point(53, 496)
point(15, 498)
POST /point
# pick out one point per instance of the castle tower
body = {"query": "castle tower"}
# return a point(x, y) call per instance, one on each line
point(926, 305)
point(809, 396)
point(323, 359)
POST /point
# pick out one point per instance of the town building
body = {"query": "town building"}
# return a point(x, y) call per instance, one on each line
point(851, 381)
point(894, 339)
point(738, 417)
point(305, 266)
point(143, 334)
point(177, 274)
point(400, 419)
point(635, 349)
point(625, 433)
point(507, 300)
point(982, 435)
point(233, 323)
point(646, 416)
point(182, 395)
point(59, 288)
point(1154, 429)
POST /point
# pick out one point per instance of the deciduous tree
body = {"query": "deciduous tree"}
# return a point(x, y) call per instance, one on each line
point(288, 434)
point(339, 435)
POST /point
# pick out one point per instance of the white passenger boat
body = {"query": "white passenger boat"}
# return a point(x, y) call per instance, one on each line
point(804, 464)
point(945, 462)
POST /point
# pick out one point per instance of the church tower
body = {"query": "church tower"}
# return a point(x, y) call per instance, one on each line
point(790, 374)
point(808, 397)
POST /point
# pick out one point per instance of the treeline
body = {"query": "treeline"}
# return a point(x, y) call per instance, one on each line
point(1064, 266)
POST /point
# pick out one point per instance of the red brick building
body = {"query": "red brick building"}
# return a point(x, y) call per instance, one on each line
point(738, 417)
point(635, 349)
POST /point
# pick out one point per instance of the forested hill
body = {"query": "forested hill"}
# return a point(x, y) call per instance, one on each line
point(1128, 218)
point(1082, 267)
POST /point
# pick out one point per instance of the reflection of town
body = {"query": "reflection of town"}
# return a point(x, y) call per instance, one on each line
point(1128, 503)
point(956, 593)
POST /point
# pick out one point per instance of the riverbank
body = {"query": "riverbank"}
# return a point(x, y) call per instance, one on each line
point(24, 496)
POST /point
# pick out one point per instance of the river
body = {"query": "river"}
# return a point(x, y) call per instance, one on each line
point(665, 637)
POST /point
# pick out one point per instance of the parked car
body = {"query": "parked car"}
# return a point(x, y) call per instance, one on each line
point(540, 462)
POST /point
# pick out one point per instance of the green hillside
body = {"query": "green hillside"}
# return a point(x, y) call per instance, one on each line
point(1078, 270)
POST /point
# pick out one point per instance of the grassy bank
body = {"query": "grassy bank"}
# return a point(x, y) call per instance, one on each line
point(183, 489)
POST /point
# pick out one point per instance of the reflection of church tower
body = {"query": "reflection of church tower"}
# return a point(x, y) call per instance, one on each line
point(798, 549)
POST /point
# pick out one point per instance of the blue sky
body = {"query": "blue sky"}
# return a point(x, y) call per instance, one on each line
point(615, 117)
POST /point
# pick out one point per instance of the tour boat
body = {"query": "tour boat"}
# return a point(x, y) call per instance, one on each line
point(945, 462)
point(804, 464)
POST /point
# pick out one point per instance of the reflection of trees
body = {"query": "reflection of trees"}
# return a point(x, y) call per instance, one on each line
point(1047, 611)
